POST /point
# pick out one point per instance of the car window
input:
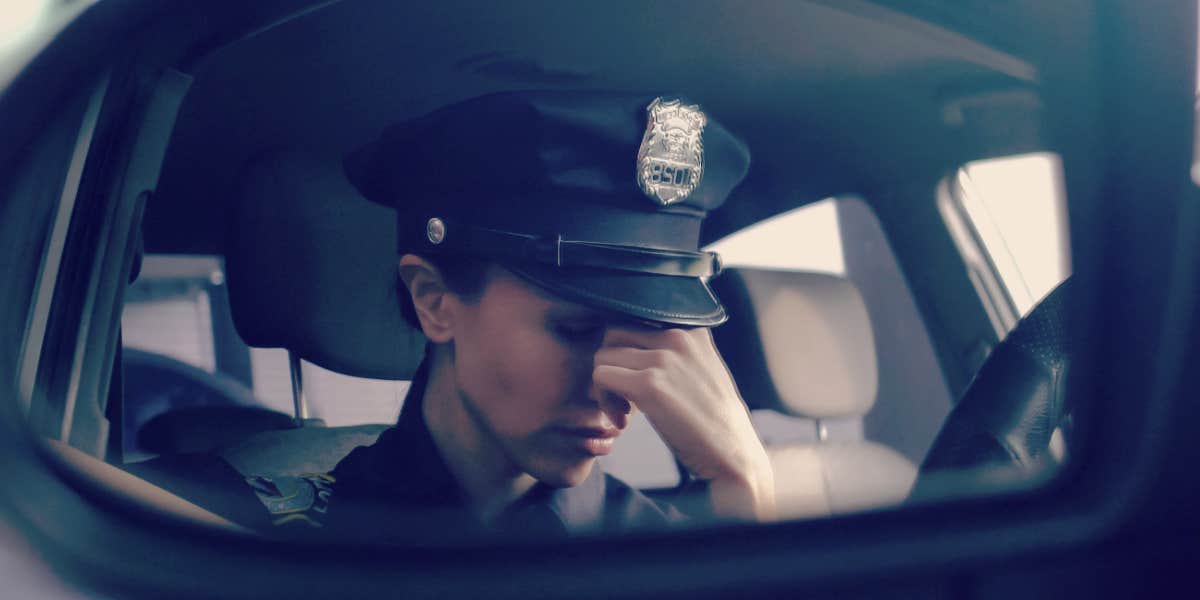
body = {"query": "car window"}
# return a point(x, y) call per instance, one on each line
point(1011, 217)
point(802, 239)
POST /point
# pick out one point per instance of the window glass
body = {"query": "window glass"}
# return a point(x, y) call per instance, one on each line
point(168, 310)
point(19, 19)
point(802, 239)
point(1016, 207)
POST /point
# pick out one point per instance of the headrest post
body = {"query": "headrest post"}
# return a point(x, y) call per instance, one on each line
point(300, 406)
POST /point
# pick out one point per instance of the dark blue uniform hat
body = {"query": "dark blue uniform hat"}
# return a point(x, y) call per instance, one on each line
point(596, 197)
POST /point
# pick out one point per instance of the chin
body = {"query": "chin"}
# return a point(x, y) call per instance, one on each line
point(565, 475)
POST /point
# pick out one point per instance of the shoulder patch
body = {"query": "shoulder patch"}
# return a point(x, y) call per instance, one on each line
point(294, 499)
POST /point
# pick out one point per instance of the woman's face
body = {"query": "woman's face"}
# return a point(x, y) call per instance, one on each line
point(523, 363)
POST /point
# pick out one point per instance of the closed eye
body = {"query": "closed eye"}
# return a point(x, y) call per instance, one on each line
point(578, 331)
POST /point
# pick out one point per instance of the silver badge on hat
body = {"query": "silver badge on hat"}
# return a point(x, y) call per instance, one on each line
point(670, 160)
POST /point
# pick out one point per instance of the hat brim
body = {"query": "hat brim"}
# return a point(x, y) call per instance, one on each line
point(657, 300)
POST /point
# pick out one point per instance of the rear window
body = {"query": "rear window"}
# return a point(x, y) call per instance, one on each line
point(802, 239)
point(1008, 217)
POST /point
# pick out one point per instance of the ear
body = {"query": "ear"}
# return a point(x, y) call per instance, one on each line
point(430, 297)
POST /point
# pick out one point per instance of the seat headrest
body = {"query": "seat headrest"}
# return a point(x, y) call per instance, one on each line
point(311, 267)
point(798, 342)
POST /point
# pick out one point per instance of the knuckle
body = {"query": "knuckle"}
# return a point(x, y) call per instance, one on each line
point(656, 379)
point(660, 359)
point(675, 336)
point(650, 378)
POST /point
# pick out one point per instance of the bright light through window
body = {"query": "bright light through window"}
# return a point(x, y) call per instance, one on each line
point(804, 239)
point(1017, 206)
point(18, 18)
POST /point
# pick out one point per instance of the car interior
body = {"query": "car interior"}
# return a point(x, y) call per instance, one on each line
point(251, 173)
point(219, 303)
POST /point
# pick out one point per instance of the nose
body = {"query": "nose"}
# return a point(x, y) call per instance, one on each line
point(615, 407)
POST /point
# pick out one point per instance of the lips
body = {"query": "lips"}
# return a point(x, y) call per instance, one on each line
point(595, 441)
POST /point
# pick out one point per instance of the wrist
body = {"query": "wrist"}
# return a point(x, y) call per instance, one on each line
point(747, 495)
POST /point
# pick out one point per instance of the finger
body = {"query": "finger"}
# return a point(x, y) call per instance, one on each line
point(635, 385)
point(634, 358)
point(645, 390)
point(646, 338)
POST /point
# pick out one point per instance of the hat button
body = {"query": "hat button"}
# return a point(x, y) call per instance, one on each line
point(435, 230)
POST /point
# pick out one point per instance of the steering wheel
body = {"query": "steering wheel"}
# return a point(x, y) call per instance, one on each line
point(1004, 423)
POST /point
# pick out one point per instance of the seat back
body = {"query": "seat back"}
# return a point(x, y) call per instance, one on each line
point(311, 267)
point(801, 348)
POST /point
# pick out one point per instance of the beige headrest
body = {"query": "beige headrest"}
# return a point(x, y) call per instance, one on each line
point(311, 267)
point(799, 342)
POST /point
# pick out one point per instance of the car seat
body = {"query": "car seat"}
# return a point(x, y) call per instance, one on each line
point(801, 349)
point(311, 268)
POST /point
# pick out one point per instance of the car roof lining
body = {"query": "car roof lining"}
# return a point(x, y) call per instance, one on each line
point(831, 98)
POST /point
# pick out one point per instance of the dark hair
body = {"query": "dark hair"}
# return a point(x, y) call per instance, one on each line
point(466, 276)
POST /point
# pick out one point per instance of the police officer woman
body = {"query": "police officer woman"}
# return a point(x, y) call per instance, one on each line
point(548, 248)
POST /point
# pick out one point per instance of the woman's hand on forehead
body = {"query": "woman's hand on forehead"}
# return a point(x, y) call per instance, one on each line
point(677, 378)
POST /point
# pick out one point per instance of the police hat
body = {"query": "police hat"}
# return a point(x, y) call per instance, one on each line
point(595, 197)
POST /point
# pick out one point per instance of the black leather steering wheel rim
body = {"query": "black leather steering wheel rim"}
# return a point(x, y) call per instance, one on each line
point(1011, 409)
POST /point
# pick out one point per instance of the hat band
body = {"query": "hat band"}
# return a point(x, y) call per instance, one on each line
point(468, 239)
